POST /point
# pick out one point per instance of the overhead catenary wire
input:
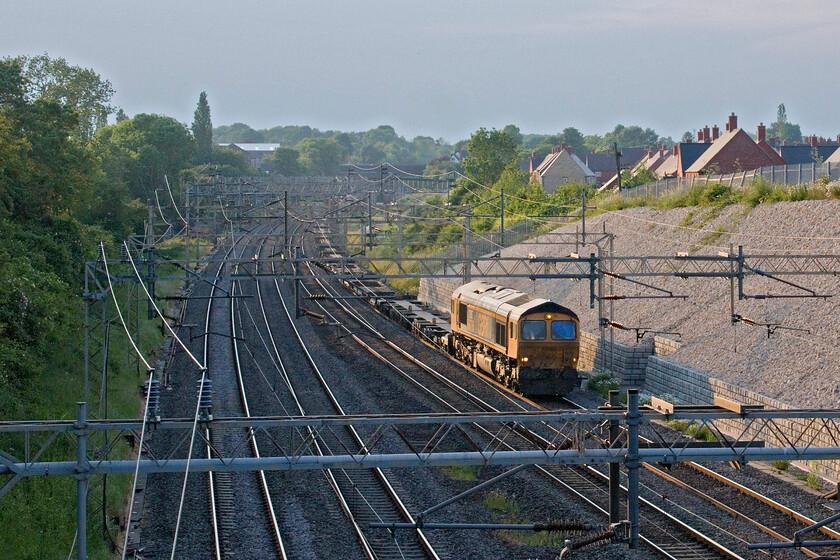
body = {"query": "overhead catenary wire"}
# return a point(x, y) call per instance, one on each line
point(117, 305)
point(172, 198)
point(160, 211)
point(157, 310)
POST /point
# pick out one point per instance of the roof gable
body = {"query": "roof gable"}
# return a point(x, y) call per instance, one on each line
point(554, 157)
point(733, 152)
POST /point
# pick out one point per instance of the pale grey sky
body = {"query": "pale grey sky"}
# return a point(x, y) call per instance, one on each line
point(444, 69)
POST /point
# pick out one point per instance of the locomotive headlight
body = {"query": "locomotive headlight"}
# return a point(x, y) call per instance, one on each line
point(548, 316)
point(525, 360)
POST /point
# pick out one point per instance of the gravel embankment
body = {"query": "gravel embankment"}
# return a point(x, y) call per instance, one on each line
point(799, 367)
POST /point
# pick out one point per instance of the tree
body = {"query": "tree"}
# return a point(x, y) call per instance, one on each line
point(79, 89)
point(121, 116)
point(490, 151)
point(631, 137)
point(513, 131)
point(238, 132)
point(572, 137)
point(202, 129)
point(141, 150)
point(285, 161)
point(372, 154)
point(321, 156)
point(783, 129)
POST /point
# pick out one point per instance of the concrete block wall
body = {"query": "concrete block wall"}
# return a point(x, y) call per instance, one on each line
point(437, 292)
point(627, 363)
point(683, 385)
point(664, 346)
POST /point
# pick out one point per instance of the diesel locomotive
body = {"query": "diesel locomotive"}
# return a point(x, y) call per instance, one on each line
point(530, 344)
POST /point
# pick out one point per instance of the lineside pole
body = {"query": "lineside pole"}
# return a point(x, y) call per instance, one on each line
point(633, 420)
point(615, 481)
point(82, 476)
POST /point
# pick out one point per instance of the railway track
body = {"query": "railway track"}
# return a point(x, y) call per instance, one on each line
point(668, 535)
point(759, 508)
point(363, 495)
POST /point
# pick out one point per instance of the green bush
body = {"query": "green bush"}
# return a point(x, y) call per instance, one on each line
point(781, 465)
point(603, 384)
point(814, 481)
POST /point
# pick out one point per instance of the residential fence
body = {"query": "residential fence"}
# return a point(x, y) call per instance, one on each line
point(778, 174)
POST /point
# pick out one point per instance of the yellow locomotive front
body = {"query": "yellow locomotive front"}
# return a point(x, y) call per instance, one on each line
point(546, 352)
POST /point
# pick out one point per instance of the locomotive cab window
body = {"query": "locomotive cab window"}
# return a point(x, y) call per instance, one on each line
point(462, 313)
point(533, 330)
point(563, 330)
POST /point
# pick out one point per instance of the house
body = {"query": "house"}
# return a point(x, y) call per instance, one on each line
point(733, 152)
point(603, 165)
point(254, 151)
point(835, 157)
point(816, 150)
point(562, 166)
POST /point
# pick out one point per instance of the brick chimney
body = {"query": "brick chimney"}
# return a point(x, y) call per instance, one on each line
point(706, 136)
point(715, 133)
point(838, 138)
point(733, 123)
point(700, 137)
point(812, 140)
point(762, 132)
point(568, 148)
point(531, 161)
point(556, 150)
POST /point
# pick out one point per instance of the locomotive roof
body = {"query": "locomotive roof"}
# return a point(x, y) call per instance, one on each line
point(503, 300)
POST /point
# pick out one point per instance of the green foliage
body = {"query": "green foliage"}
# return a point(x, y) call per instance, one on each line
point(461, 472)
point(603, 384)
point(783, 129)
point(708, 194)
point(507, 510)
point(237, 132)
point(284, 161)
point(320, 156)
point(630, 180)
point(138, 152)
point(781, 465)
point(80, 90)
point(814, 481)
point(202, 129)
point(441, 166)
point(490, 152)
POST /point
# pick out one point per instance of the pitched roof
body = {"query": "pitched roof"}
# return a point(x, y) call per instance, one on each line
point(803, 153)
point(255, 146)
point(835, 157)
point(668, 168)
point(690, 152)
point(554, 156)
point(775, 158)
point(751, 154)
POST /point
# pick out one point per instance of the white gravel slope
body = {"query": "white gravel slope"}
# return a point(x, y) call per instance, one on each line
point(799, 367)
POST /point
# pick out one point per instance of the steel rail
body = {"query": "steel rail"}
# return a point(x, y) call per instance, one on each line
point(380, 475)
point(275, 527)
point(565, 484)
